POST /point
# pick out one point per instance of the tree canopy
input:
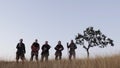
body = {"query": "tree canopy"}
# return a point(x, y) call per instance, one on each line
point(93, 38)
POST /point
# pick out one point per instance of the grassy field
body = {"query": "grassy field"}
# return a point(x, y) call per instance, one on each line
point(106, 62)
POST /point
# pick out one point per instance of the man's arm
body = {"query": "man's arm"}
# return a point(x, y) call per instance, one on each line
point(24, 48)
point(17, 46)
point(38, 46)
point(62, 47)
point(75, 46)
point(55, 48)
point(68, 46)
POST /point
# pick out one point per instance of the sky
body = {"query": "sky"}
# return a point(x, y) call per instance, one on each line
point(55, 20)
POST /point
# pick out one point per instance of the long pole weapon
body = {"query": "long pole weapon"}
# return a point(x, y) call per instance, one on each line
point(68, 49)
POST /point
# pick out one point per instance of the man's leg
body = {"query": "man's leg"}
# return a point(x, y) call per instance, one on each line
point(36, 56)
point(42, 57)
point(46, 57)
point(56, 57)
point(74, 56)
point(17, 57)
point(60, 57)
point(70, 57)
point(22, 57)
point(32, 55)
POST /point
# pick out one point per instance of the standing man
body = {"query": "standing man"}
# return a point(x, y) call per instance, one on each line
point(59, 48)
point(72, 46)
point(20, 51)
point(45, 51)
point(35, 50)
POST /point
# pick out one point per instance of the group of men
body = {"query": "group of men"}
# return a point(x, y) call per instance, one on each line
point(35, 47)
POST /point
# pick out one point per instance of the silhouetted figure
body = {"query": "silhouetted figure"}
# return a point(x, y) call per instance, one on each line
point(59, 48)
point(72, 46)
point(35, 50)
point(45, 51)
point(20, 51)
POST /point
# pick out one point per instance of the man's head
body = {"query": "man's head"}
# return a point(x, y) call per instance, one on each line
point(21, 40)
point(59, 42)
point(46, 42)
point(72, 41)
point(36, 40)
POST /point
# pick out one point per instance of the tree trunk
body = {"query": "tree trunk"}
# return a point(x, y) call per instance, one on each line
point(87, 53)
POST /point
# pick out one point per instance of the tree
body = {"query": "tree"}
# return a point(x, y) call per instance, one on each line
point(93, 38)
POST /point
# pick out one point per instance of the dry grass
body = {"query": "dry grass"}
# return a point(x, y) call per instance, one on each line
point(106, 62)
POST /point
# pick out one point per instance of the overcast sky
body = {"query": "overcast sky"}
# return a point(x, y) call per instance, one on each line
point(55, 20)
